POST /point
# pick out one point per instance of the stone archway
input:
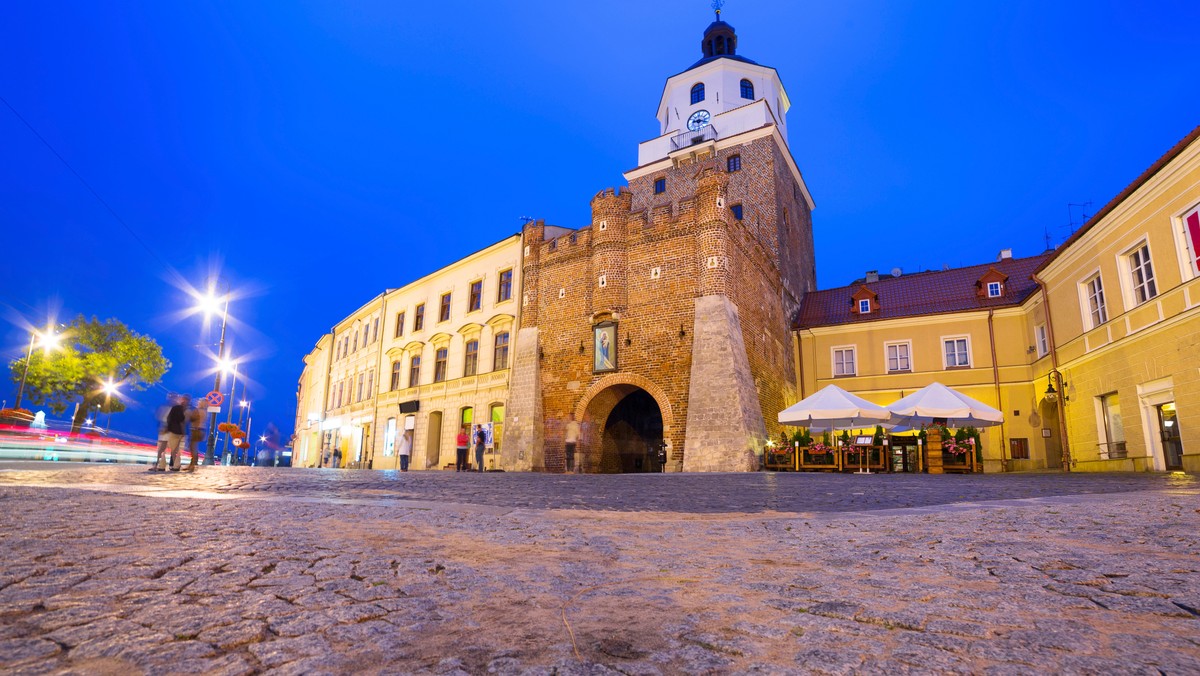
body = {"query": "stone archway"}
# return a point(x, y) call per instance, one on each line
point(625, 420)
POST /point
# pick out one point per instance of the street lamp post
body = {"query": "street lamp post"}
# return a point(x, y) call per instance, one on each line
point(245, 405)
point(212, 417)
point(229, 416)
point(49, 341)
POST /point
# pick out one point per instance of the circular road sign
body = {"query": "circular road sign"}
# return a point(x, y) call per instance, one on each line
point(215, 398)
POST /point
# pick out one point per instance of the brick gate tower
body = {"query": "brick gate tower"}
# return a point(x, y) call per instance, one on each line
point(657, 337)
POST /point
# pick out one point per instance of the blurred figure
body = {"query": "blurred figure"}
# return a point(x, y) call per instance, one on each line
point(176, 426)
point(405, 450)
point(460, 450)
point(480, 442)
point(160, 462)
point(196, 418)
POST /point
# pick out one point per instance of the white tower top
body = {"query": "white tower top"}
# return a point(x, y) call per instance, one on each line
point(719, 96)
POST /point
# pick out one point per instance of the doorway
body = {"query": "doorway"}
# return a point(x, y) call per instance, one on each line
point(433, 441)
point(1168, 430)
point(632, 436)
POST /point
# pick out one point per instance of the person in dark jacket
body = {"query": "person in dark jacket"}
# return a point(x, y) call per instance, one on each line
point(176, 428)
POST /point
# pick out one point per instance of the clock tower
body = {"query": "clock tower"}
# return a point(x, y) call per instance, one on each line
point(658, 336)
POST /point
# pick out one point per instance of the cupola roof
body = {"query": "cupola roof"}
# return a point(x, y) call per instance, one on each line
point(719, 42)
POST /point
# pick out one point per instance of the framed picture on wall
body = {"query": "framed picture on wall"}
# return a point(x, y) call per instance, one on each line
point(604, 347)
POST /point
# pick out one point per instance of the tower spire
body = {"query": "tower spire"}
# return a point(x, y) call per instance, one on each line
point(717, 5)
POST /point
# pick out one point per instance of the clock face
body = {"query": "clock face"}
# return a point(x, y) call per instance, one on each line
point(699, 120)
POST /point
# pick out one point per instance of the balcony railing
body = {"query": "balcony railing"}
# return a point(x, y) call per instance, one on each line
point(688, 138)
point(1112, 451)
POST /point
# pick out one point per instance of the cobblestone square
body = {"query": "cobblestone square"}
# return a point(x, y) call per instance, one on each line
point(112, 569)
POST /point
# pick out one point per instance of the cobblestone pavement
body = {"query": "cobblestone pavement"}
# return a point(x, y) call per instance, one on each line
point(111, 569)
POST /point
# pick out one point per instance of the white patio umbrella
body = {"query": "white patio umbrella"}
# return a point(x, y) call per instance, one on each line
point(936, 401)
point(832, 408)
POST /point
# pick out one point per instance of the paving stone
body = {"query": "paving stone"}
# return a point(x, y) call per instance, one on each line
point(657, 574)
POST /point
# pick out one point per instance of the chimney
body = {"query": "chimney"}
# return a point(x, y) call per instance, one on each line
point(872, 276)
point(1004, 254)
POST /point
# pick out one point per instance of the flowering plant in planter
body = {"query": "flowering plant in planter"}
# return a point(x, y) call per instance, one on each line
point(956, 447)
point(818, 448)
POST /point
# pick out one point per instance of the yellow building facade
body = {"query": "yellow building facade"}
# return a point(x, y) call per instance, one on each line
point(1124, 299)
point(968, 328)
point(1091, 351)
point(310, 404)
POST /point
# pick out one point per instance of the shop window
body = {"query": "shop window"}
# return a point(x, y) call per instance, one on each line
point(1018, 448)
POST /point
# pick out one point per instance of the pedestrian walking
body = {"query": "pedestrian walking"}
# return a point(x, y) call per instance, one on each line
point(405, 449)
point(176, 427)
point(337, 457)
point(196, 422)
point(572, 440)
point(160, 460)
point(480, 441)
point(460, 450)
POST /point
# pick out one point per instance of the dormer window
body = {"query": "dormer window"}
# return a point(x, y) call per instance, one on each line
point(697, 93)
point(747, 90)
point(864, 301)
point(990, 284)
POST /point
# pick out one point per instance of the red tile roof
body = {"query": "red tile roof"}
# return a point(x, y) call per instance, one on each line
point(922, 293)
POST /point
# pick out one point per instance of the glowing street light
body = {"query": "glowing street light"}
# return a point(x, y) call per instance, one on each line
point(210, 304)
point(49, 341)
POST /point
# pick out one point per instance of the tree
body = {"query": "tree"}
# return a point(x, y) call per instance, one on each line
point(91, 354)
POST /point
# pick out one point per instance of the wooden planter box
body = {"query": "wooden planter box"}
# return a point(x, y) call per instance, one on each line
point(964, 463)
point(872, 457)
point(779, 462)
point(814, 462)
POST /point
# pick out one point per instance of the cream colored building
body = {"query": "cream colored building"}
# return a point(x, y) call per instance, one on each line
point(1124, 298)
point(310, 406)
point(353, 378)
point(446, 357)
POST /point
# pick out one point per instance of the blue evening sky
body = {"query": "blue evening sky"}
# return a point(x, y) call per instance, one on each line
point(316, 153)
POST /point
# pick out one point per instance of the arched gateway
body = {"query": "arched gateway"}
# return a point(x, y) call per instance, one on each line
point(624, 425)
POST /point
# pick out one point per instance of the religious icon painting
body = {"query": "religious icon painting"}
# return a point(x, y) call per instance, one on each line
point(605, 347)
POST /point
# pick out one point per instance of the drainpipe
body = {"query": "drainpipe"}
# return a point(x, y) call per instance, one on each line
point(1062, 419)
point(996, 383)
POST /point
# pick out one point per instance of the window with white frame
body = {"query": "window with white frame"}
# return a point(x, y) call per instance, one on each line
point(1093, 292)
point(1041, 339)
point(843, 361)
point(1141, 274)
point(899, 358)
point(957, 352)
point(1191, 236)
point(994, 289)
point(1109, 406)
point(864, 306)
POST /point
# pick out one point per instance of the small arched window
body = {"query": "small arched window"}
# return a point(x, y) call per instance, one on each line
point(747, 90)
point(698, 92)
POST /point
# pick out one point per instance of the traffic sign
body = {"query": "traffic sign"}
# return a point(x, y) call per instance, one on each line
point(237, 442)
point(214, 398)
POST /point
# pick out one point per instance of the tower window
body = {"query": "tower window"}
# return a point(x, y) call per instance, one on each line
point(747, 90)
point(660, 186)
point(720, 44)
point(734, 163)
point(737, 211)
point(698, 92)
